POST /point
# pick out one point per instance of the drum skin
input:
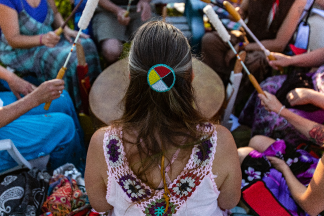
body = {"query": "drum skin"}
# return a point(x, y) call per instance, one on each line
point(109, 89)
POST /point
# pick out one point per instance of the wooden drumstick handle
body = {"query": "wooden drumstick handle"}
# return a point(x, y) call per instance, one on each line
point(60, 75)
point(271, 58)
point(164, 13)
point(59, 31)
point(255, 84)
point(126, 14)
point(231, 10)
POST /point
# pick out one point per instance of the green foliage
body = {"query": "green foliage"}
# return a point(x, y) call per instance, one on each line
point(65, 7)
point(126, 48)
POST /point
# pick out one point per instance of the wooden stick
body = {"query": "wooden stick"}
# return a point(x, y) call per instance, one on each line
point(237, 17)
point(238, 66)
point(128, 8)
point(80, 54)
point(60, 75)
point(164, 13)
point(251, 77)
point(59, 31)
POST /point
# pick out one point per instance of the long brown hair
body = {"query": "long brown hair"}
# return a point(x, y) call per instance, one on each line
point(159, 118)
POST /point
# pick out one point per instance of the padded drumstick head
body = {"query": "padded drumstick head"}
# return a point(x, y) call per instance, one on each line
point(218, 25)
point(161, 78)
point(87, 14)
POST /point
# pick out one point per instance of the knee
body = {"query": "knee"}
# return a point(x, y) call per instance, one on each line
point(243, 152)
point(260, 142)
point(111, 49)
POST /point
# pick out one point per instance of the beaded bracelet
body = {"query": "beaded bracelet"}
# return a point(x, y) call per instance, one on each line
point(283, 107)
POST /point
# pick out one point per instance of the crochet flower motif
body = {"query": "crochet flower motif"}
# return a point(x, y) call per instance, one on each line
point(203, 152)
point(159, 211)
point(157, 208)
point(185, 186)
point(114, 152)
point(134, 190)
point(252, 174)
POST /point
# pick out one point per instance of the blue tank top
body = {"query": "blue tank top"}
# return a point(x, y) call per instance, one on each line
point(38, 13)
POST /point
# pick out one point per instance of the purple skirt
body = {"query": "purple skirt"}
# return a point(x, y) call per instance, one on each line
point(257, 167)
point(270, 124)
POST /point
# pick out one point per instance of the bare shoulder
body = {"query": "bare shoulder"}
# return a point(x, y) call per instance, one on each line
point(226, 150)
point(97, 138)
point(225, 140)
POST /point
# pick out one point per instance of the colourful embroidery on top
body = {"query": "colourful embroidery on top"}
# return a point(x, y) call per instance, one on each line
point(185, 186)
point(114, 151)
point(204, 152)
point(161, 78)
point(134, 190)
point(157, 208)
point(181, 189)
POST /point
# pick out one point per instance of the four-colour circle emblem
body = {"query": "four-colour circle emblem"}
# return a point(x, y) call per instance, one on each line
point(161, 78)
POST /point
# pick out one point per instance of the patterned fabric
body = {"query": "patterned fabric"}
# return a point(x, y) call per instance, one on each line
point(64, 197)
point(256, 166)
point(45, 61)
point(270, 124)
point(23, 192)
point(193, 192)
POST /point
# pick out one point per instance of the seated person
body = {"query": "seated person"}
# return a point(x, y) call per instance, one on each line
point(273, 31)
point(272, 125)
point(35, 131)
point(28, 43)
point(111, 27)
point(294, 176)
point(164, 159)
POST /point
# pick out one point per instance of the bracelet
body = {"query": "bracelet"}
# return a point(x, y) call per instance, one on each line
point(40, 39)
point(283, 107)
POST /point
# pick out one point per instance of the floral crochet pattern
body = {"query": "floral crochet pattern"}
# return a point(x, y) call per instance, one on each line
point(134, 190)
point(185, 186)
point(204, 152)
point(114, 151)
point(157, 208)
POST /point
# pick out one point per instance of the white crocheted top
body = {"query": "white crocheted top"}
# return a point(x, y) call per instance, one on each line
point(193, 192)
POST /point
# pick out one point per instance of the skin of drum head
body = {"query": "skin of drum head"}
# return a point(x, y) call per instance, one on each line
point(110, 87)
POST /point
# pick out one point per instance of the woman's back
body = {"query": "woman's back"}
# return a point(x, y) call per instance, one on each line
point(200, 184)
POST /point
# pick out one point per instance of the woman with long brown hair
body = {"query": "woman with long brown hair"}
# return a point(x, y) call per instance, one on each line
point(162, 157)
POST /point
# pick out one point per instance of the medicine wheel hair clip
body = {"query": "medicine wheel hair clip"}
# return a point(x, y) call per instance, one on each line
point(161, 78)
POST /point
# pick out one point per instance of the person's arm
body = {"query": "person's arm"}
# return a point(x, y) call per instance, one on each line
point(10, 28)
point(311, 59)
point(96, 173)
point(308, 128)
point(285, 31)
point(46, 92)
point(302, 96)
point(17, 85)
point(58, 22)
point(310, 199)
point(144, 7)
point(227, 167)
point(243, 9)
point(116, 10)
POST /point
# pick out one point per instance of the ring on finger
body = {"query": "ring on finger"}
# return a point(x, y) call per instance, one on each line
point(60, 91)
